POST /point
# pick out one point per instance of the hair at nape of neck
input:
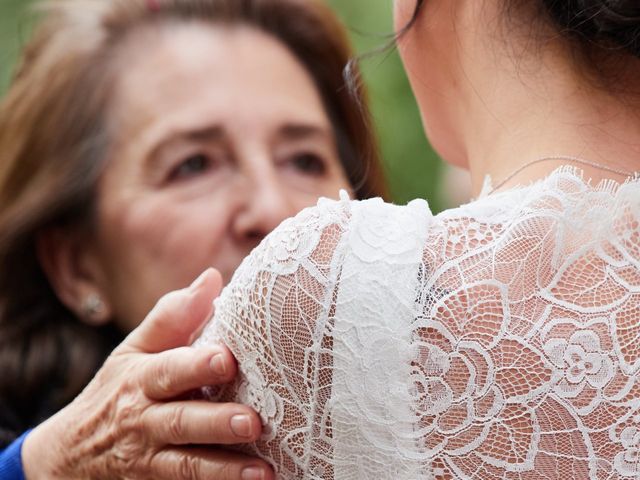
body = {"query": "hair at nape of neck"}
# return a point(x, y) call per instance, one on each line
point(602, 36)
point(612, 25)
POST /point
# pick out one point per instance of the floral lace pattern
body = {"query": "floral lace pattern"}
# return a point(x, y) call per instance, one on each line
point(500, 340)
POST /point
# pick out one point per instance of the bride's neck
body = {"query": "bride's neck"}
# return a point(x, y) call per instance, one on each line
point(519, 113)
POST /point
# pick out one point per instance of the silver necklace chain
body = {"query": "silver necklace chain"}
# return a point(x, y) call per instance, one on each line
point(569, 158)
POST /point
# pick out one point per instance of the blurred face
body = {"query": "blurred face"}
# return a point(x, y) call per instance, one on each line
point(220, 135)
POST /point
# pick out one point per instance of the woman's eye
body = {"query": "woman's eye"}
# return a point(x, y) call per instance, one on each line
point(309, 163)
point(191, 166)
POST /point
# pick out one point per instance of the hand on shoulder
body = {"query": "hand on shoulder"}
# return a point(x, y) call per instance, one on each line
point(133, 420)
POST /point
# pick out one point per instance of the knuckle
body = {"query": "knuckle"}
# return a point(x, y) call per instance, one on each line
point(121, 441)
point(188, 467)
point(173, 300)
point(126, 411)
point(166, 300)
point(176, 424)
point(163, 305)
point(149, 465)
point(163, 376)
point(128, 451)
point(168, 307)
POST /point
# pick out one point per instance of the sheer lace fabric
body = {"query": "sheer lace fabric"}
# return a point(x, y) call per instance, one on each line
point(500, 340)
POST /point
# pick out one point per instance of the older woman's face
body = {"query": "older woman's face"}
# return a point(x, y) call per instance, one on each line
point(220, 135)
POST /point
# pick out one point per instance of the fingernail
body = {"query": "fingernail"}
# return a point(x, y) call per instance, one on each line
point(252, 473)
point(218, 365)
point(197, 283)
point(241, 426)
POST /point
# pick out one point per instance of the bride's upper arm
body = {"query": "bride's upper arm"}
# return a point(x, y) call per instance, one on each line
point(307, 316)
point(272, 316)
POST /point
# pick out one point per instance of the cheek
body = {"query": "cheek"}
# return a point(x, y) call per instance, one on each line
point(154, 246)
point(329, 189)
point(170, 233)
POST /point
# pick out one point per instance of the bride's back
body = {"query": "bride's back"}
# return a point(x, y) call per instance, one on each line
point(497, 340)
point(536, 328)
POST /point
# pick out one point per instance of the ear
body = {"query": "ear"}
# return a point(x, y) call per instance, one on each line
point(74, 272)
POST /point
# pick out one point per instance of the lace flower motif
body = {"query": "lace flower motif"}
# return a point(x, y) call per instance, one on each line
point(583, 362)
point(291, 243)
point(627, 462)
point(254, 390)
point(391, 236)
point(451, 403)
point(465, 399)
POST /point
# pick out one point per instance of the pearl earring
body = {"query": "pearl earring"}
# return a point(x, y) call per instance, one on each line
point(93, 308)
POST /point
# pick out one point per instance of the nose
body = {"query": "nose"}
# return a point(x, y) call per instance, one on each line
point(266, 204)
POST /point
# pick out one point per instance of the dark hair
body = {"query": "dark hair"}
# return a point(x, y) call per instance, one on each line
point(609, 25)
point(53, 139)
point(600, 28)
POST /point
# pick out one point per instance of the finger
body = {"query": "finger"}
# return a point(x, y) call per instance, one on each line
point(200, 463)
point(174, 372)
point(202, 422)
point(177, 315)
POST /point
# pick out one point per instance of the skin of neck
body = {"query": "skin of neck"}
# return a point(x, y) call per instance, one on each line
point(500, 99)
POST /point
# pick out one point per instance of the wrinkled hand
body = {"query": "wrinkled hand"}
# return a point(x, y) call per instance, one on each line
point(130, 421)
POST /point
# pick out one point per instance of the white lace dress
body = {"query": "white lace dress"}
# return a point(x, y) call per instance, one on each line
point(499, 340)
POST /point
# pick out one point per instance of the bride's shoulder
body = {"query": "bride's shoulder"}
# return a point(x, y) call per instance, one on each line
point(322, 234)
point(374, 217)
point(384, 230)
point(345, 214)
point(345, 208)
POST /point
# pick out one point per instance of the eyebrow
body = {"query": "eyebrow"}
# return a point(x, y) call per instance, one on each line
point(295, 131)
point(289, 131)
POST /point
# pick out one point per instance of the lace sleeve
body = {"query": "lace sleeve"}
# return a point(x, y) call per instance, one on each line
point(317, 318)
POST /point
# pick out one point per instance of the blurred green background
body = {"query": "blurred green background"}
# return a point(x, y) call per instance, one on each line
point(413, 169)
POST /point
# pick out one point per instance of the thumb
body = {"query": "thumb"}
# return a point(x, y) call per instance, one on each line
point(176, 316)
